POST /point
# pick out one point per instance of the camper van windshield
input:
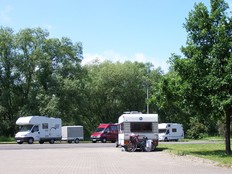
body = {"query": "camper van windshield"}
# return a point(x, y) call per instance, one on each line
point(99, 129)
point(26, 128)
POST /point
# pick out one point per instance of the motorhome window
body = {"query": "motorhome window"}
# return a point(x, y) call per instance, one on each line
point(162, 130)
point(141, 126)
point(26, 128)
point(99, 129)
point(57, 126)
point(45, 126)
point(174, 130)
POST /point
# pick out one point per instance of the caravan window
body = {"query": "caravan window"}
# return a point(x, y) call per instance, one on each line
point(141, 126)
point(122, 127)
point(162, 130)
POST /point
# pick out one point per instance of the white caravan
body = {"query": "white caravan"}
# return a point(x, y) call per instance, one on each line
point(144, 125)
point(72, 133)
point(170, 131)
point(38, 128)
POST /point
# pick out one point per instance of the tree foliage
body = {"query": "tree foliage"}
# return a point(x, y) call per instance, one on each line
point(206, 68)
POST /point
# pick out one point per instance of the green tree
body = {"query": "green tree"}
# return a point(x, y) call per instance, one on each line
point(206, 69)
point(39, 76)
point(115, 88)
point(8, 76)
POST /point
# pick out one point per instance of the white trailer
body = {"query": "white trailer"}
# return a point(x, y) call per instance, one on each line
point(38, 128)
point(170, 131)
point(144, 125)
point(72, 133)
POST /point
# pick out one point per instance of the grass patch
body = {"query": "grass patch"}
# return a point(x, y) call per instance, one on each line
point(214, 152)
point(6, 139)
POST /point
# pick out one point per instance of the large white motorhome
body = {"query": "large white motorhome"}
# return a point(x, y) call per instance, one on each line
point(38, 128)
point(144, 125)
point(72, 133)
point(170, 131)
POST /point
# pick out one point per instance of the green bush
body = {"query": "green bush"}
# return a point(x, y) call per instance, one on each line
point(197, 129)
point(6, 139)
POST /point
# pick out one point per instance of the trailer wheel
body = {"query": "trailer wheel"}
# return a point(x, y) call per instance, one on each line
point(76, 140)
point(52, 141)
point(30, 140)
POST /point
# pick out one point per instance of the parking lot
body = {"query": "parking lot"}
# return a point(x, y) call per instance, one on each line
point(96, 159)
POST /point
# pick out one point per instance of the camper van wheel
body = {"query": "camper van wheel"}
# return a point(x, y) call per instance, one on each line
point(30, 141)
point(76, 141)
point(51, 141)
point(104, 140)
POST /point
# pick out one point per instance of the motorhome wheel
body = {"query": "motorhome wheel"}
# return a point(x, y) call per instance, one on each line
point(51, 141)
point(30, 141)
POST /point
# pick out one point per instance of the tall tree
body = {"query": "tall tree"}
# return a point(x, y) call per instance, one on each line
point(206, 69)
point(8, 97)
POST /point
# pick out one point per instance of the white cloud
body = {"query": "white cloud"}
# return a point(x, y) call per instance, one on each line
point(114, 57)
point(4, 14)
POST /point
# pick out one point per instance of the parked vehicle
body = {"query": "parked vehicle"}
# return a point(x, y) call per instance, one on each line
point(72, 133)
point(38, 128)
point(170, 131)
point(143, 125)
point(104, 133)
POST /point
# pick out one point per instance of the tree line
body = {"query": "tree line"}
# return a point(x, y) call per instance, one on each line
point(40, 75)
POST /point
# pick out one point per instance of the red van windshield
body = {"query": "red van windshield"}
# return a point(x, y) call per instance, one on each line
point(99, 129)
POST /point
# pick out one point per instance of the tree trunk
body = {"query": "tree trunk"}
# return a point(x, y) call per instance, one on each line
point(227, 131)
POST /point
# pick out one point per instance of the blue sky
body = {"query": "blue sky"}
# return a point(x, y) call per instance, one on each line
point(116, 30)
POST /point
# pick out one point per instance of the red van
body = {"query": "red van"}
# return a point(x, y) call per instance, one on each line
point(105, 132)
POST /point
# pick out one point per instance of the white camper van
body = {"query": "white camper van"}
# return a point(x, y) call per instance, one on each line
point(170, 131)
point(38, 128)
point(139, 124)
point(72, 133)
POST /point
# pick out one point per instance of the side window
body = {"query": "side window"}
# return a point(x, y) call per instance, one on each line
point(35, 129)
point(45, 126)
point(114, 128)
point(122, 127)
point(174, 130)
point(107, 130)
